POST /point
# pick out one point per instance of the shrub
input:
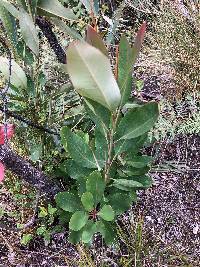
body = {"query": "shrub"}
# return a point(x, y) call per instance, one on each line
point(105, 167)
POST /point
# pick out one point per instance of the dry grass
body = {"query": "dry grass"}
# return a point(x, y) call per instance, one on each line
point(173, 47)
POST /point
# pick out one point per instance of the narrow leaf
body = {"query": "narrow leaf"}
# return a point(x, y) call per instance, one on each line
point(138, 40)
point(25, 53)
point(18, 77)
point(66, 29)
point(91, 74)
point(127, 183)
point(101, 147)
point(10, 8)
point(94, 39)
point(131, 171)
point(33, 7)
point(91, 6)
point(55, 8)
point(115, 23)
point(9, 25)
point(29, 31)
point(125, 68)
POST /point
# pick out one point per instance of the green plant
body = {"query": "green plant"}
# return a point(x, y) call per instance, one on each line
point(26, 14)
point(32, 97)
point(183, 118)
point(26, 238)
point(46, 223)
point(105, 166)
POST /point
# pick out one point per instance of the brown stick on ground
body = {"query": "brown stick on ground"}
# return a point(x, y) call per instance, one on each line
point(27, 172)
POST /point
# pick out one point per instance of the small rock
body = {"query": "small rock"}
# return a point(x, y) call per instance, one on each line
point(196, 229)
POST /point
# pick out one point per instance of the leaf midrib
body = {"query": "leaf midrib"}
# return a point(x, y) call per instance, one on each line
point(32, 31)
point(141, 126)
point(93, 77)
point(87, 159)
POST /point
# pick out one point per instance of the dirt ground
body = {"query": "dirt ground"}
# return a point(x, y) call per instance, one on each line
point(169, 211)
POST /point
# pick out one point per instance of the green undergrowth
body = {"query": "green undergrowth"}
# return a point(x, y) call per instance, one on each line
point(178, 117)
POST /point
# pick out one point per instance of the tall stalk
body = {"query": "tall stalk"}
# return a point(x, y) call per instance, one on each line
point(111, 134)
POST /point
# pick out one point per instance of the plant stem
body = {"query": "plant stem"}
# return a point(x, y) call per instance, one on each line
point(108, 162)
point(111, 133)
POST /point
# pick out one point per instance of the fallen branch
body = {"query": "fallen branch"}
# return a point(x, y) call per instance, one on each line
point(27, 172)
point(28, 122)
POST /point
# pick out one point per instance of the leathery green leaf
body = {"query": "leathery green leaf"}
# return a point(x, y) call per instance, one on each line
point(10, 26)
point(75, 236)
point(29, 31)
point(68, 201)
point(88, 231)
point(18, 76)
point(95, 185)
point(91, 74)
point(107, 213)
point(137, 121)
point(127, 183)
point(66, 29)
point(110, 232)
point(125, 67)
point(138, 161)
point(10, 8)
point(99, 114)
point(120, 202)
point(55, 8)
point(74, 170)
point(101, 151)
point(78, 220)
point(130, 146)
point(132, 171)
point(87, 201)
point(145, 180)
point(78, 149)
